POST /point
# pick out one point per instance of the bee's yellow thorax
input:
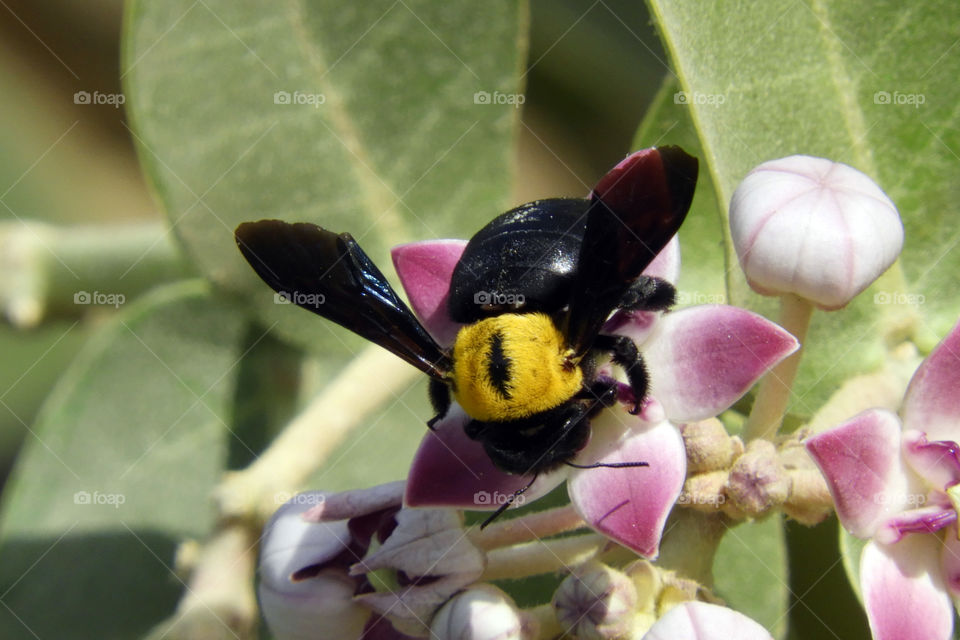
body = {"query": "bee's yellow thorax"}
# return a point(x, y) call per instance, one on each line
point(512, 366)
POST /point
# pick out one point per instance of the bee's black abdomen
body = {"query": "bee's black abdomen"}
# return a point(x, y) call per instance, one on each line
point(523, 260)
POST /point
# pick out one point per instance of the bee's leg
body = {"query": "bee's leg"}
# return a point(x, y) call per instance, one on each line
point(649, 294)
point(439, 394)
point(601, 393)
point(627, 356)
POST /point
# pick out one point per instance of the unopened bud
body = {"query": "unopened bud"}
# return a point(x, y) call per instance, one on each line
point(482, 612)
point(709, 446)
point(596, 603)
point(757, 481)
point(813, 227)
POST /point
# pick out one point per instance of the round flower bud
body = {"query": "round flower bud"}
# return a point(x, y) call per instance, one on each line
point(813, 227)
point(596, 603)
point(757, 481)
point(482, 612)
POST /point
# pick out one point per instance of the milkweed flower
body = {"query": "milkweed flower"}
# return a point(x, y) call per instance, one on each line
point(896, 482)
point(700, 361)
point(704, 621)
point(318, 558)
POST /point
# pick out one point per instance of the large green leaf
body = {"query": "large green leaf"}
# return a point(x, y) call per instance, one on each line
point(829, 78)
point(390, 120)
point(119, 469)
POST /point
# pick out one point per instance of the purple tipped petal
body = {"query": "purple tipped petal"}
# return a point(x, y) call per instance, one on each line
point(425, 269)
point(703, 359)
point(703, 621)
point(629, 505)
point(924, 520)
point(936, 462)
point(353, 504)
point(451, 470)
point(903, 592)
point(860, 460)
point(930, 404)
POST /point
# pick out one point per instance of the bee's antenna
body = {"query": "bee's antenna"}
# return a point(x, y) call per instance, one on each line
point(509, 501)
point(609, 465)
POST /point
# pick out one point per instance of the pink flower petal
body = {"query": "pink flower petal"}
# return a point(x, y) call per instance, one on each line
point(950, 562)
point(451, 470)
point(937, 462)
point(629, 505)
point(703, 359)
point(425, 269)
point(903, 591)
point(930, 404)
point(860, 460)
point(667, 263)
point(703, 621)
point(351, 504)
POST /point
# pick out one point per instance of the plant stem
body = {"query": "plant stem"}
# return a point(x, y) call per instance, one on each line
point(534, 526)
point(311, 437)
point(774, 391)
point(45, 269)
point(542, 556)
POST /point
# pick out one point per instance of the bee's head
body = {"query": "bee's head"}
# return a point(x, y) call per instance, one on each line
point(512, 366)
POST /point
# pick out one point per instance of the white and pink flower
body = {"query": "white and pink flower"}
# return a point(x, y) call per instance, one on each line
point(896, 482)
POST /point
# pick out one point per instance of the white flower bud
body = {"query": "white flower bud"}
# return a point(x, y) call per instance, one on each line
point(812, 227)
point(482, 612)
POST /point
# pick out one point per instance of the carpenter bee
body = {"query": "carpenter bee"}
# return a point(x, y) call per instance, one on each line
point(532, 289)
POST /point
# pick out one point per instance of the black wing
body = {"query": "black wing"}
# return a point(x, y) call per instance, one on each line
point(330, 275)
point(634, 211)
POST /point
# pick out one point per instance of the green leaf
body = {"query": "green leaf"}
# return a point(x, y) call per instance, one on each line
point(766, 80)
point(361, 117)
point(750, 570)
point(119, 469)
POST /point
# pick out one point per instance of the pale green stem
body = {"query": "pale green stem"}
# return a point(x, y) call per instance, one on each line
point(534, 526)
point(773, 393)
point(312, 436)
point(542, 556)
point(219, 599)
point(49, 270)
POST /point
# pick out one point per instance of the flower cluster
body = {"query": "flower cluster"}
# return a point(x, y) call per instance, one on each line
point(397, 561)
